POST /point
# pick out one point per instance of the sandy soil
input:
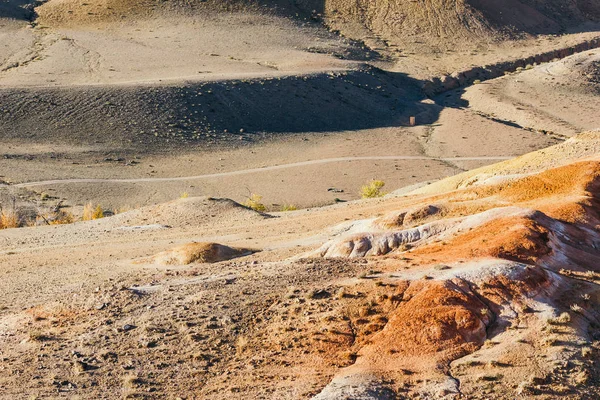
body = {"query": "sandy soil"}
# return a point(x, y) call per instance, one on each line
point(479, 123)
point(523, 99)
point(104, 95)
point(475, 278)
point(232, 46)
point(298, 170)
point(97, 315)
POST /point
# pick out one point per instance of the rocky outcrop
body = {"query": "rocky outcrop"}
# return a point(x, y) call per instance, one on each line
point(480, 286)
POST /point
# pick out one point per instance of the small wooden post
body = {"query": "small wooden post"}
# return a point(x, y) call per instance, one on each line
point(413, 121)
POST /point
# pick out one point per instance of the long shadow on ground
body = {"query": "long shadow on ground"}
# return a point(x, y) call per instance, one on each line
point(17, 9)
point(212, 111)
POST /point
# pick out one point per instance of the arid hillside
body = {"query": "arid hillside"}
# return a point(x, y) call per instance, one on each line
point(482, 285)
point(492, 274)
point(442, 24)
point(396, 18)
point(445, 22)
point(180, 212)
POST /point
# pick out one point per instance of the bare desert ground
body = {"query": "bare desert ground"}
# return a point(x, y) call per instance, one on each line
point(134, 90)
point(181, 212)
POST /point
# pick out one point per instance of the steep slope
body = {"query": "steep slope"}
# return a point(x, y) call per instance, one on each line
point(448, 23)
point(477, 264)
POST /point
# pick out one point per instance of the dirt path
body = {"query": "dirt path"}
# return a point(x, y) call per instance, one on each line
point(251, 170)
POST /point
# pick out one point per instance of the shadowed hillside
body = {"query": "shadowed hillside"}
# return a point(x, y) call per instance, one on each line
point(436, 22)
point(17, 9)
point(214, 111)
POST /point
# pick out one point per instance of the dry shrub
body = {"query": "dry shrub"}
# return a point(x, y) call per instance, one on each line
point(56, 218)
point(53, 313)
point(90, 212)
point(564, 318)
point(98, 213)
point(255, 202)
point(372, 190)
point(62, 218)
point(9, 219)
point(587, 352)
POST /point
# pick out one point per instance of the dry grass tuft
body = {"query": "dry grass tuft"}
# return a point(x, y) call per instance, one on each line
point(576, 308)
point(564, 318)
point(90, 212)
point(132, 381)
point(9, 219)
point(255, 202)
point(37, 336)
point(372, 190)
point(62, 218)
point(241, 344)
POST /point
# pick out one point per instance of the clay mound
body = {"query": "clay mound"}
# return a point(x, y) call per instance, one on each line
point(573, 179)
point(192, 211)
point(521, 239)
point(381, 243)
point(412, 217)
point(435, 323)
point(368, 244)
point(439, 318)
point(199, 252)
point(566, 193)
point(438, 321)
point(474, 268)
